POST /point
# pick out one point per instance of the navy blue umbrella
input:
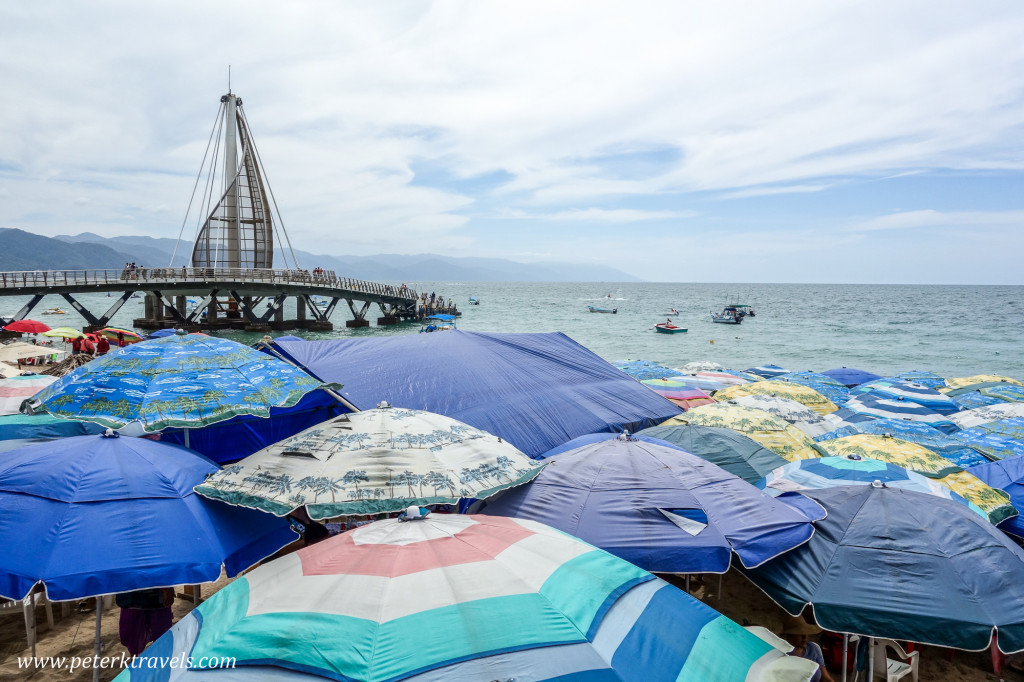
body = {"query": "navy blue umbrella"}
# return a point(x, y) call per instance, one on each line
point(93, 515)
point(850, 377)
point(904, 565)
point(1006, 475)
point(663, 509)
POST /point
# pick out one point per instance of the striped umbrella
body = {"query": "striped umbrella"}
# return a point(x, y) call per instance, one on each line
point(783, 389)
point(896, 389)
point(1011, 393)
point(828, 472)
point(913, 432)
point(776, 434)
point(982, 415)
point(768, 371)
point(112, 332)
point(455, 597)
point(973, 399)
point(922, 460)
point(684, 381)
point(868, 406)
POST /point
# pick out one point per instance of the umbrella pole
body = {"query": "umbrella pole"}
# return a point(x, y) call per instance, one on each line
point(32, 627)
point(871, 659)
point(846, 645)
point(99, 624)
point(186, 438)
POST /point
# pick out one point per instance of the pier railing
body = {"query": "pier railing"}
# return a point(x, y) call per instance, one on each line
point(327, 279)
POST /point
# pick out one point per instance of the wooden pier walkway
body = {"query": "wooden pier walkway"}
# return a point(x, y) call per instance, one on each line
point(240, 298)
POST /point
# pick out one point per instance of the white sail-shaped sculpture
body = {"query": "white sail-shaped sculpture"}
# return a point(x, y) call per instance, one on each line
point(238, 232)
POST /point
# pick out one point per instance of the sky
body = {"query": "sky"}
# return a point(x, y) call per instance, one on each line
point(791, 141)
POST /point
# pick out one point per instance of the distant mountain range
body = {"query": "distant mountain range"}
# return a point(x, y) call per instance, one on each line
point(20, 250)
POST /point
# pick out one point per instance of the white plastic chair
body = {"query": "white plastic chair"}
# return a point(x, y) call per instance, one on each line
point(893, 669)
point(25, 608)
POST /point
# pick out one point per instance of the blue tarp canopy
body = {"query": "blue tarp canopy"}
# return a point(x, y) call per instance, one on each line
point(1008, 476)
point(536, 391)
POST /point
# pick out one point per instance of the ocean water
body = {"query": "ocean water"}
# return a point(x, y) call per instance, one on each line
point(950, 330)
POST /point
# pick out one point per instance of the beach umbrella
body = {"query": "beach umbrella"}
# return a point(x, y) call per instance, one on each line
point(684, 381)
point(850, 377)
point(973, 399)
point(161, 333)
point(186, 381)
point(15, 390)
point(112, 332)
point(8, 371)
point(767, 371)
point(731, 450)
point(27, 327)
point(656, 506)
point(903, 565)
point(914, 457)
point(94, 515)
point(685, 397)
point(459, 597)
point(1009, 428)
point(700, 366)
point(823, 384)
point(726, 378)
point(991, 445)
point(803, 418)
point(927, 379)
point(829, 472)
point(64, 333)
point(914, 432)
point(960, 382)
point(776, 434)
point(1006, 475)
point(13, 352)
point(379, 460)
point(868, 406)
point(783, 389)
point(911, 392)
point(645, 369)
point(991, 413)
point(1011, 393)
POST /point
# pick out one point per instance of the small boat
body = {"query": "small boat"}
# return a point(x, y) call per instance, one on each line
point(437, 323)
point(54, 311)
point(669, 328)
point(595, 309)
point(473, 300)
point(727, 317)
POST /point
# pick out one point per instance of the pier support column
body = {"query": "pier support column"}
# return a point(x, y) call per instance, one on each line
point(300, 313)
point(211, 312)
point(179, 303)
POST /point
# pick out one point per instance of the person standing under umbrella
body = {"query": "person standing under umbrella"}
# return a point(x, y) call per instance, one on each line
point(145, 615)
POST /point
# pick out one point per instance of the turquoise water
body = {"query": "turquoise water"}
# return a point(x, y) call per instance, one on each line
point(951, 330)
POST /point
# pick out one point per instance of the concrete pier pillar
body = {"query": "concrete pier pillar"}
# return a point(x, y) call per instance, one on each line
point(179, 303)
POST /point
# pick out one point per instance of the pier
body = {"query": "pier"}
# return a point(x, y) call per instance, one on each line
point(253, 299)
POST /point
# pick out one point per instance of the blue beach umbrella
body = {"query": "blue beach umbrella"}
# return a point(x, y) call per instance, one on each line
point(1010, 393)
point(1006, 475)
point(992, 445)
point(645, 369)
point(187, 381)
point(903, 565)
point(927, 379)
point(768, 371)
point(850, 377)
point(93, 515)
point(823, 384)
point(656, 506)
point(685, 381)
point(973, 399)
point(915, 393)
point(1008, 428)
point(739, 455)
point(982, 415)
point(161, 333)
point(830, 472)
point(867, 406)
point(915, 432)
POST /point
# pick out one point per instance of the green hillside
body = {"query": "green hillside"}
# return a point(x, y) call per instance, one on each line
point(20, 250)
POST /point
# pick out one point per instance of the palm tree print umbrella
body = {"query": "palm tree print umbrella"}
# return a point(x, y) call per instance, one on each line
point(379, 460)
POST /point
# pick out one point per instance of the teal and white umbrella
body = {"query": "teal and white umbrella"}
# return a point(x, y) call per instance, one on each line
point(380, 460)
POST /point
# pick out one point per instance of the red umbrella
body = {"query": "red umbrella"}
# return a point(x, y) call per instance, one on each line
point(27, 327)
